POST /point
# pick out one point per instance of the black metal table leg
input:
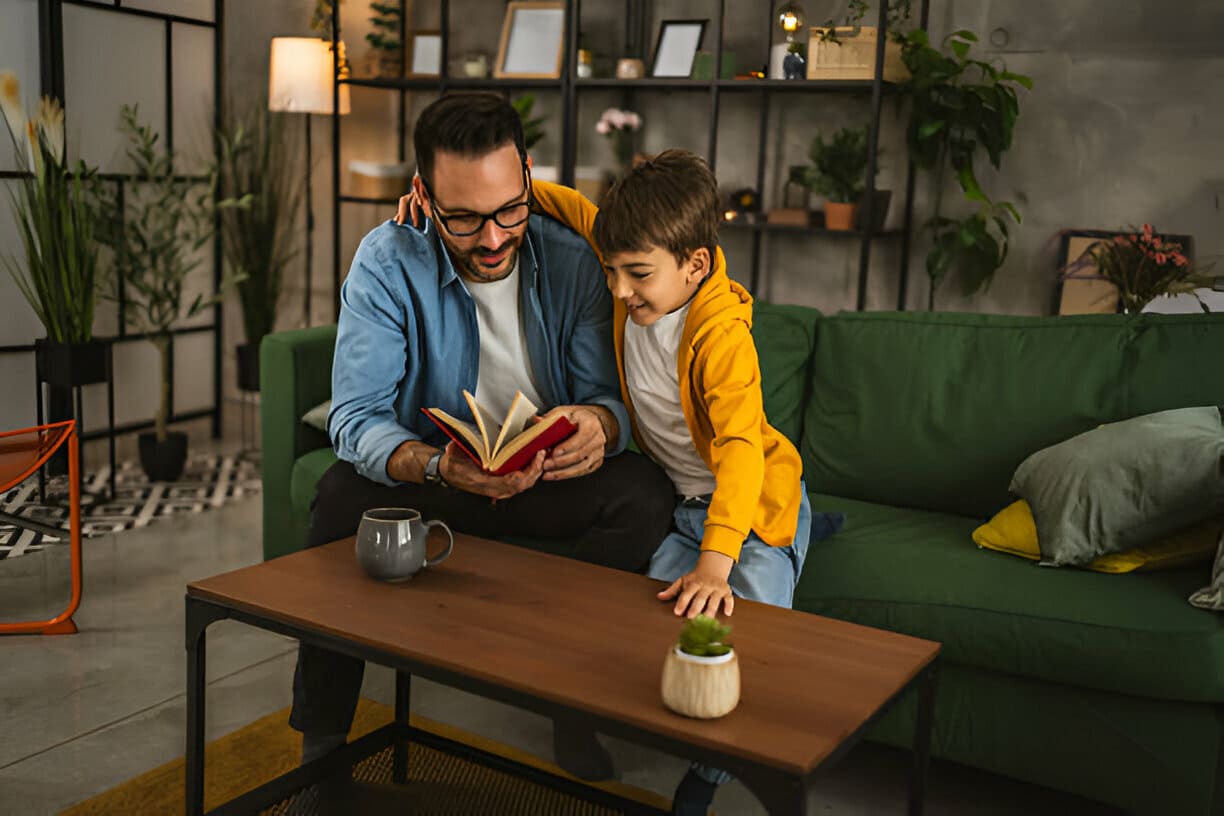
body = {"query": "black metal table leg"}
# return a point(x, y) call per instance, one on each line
point(199, 614)
point(922, 739)
point(403, 705)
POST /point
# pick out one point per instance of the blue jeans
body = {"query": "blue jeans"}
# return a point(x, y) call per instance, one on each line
point(763, 573)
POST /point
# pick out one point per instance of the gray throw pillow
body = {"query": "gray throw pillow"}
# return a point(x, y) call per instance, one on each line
point(1125, 484)
point(316, 417)
point(1212, 595)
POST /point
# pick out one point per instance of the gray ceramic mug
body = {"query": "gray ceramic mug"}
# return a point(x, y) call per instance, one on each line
point(391, 543)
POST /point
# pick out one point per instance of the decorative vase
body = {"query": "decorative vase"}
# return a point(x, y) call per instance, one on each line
point(163, 460)
point(701, 687)
point(839, 216)
point(68, 365)
point(794, 66)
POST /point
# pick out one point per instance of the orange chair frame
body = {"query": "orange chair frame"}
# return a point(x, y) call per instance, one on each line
point(18, 462)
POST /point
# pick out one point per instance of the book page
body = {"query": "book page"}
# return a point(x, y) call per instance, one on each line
point(518, 419)
point(469, 432)
point(488, 425)
point(554, 427)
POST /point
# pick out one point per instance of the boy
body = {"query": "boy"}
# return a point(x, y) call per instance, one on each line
point(691, 381)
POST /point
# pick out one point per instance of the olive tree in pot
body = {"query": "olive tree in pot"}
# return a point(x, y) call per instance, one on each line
point(156, 236)
point(257, 161)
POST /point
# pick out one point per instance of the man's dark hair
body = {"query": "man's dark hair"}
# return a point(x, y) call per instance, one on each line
point(470, 124)
point(670, 201)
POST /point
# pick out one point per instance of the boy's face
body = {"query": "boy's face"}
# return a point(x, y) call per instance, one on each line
point(653, 284)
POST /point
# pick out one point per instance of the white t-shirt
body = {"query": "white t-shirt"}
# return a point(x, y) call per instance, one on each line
point(505, 366)
point(654, 390)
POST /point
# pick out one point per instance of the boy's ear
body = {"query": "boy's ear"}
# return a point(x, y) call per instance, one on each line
point(699, 265)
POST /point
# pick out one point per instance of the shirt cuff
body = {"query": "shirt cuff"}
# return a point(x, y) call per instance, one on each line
point(622, 422)
point(723, 540)
point(375, 448)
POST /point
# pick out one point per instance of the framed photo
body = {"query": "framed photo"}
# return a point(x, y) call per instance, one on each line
point(426, 55)
point(679, 42)
point(1081, 289)
point(532, 40)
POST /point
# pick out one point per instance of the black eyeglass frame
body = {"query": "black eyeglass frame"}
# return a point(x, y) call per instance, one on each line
point(485, 218)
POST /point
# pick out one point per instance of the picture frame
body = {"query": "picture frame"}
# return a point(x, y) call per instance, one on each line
point(677, 47)
point(425, 57)
point(532, 40)
point(1081, 289)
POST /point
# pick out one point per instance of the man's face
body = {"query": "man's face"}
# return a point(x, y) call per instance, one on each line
point(653, 284)
point(464, 187)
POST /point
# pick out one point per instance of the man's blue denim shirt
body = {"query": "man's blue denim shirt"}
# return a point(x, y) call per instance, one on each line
point(408, 338)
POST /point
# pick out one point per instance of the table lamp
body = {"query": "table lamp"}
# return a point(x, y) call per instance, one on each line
point(300, 76)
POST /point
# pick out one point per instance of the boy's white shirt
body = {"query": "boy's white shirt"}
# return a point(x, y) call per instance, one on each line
point(654, 389)
point(505, 368)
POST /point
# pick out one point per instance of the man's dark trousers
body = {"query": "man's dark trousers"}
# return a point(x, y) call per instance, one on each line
point(615, 517)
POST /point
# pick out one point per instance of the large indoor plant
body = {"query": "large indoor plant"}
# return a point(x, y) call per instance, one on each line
point(58, 272)
point(157, 236)
point(256, 169)
point(960, 109)
point(838, 171)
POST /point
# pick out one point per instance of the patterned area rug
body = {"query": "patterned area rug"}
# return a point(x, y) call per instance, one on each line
point(208, 481)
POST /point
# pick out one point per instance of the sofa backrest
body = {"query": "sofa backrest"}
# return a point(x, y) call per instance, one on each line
point(784, 338)
point(936, 411)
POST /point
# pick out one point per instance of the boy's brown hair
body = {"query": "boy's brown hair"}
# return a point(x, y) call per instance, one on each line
point(670, 201)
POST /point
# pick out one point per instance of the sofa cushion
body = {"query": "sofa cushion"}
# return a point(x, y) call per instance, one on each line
point(919, 573)
point(1125, 484)
point(784, 336)
point(307, 471)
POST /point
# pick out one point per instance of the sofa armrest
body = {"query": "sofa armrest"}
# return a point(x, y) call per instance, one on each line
point(294, 376)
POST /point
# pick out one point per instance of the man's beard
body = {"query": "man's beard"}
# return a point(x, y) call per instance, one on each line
point(470, 260)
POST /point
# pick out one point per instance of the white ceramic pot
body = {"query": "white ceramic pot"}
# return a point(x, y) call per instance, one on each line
point(701, 687)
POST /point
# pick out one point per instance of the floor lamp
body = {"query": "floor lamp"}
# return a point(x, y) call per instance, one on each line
point(300, 76)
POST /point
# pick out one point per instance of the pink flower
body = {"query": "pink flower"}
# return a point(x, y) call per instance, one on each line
point(1147, 231)
point(1179, 259)
point(1161, 258)
point(602, 127)
point(1119, 239)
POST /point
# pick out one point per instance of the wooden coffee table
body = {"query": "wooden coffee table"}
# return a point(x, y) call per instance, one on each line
point(558, 636)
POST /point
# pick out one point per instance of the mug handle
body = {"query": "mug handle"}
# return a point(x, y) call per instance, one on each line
point(450, 543)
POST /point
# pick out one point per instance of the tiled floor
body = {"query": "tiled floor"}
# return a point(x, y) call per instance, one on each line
point(80, 714)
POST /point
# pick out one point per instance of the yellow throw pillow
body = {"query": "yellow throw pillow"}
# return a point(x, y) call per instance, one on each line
point(1014, 532)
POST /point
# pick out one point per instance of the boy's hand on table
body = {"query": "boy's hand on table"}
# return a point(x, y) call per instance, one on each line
point(705, 588)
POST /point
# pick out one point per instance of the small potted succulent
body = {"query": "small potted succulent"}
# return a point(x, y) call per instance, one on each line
point(701, 673)
point(838, 170)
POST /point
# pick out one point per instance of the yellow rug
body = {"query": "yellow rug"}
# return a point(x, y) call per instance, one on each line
point(267, 748)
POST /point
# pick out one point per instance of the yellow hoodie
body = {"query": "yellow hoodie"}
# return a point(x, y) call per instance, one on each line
point(756, 469)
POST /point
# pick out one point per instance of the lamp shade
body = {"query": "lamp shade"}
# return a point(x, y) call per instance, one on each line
point(300, 76)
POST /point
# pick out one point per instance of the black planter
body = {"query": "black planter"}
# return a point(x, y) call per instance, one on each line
point(883, 198)
point(68, 365)
point(248, 367)
point(163, 461)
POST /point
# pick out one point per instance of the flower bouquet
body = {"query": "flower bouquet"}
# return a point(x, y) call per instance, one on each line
point(1144, 265)
point(620, 126)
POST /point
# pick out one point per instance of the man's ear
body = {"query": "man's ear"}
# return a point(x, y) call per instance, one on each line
point(422, 197)
point(699, 265)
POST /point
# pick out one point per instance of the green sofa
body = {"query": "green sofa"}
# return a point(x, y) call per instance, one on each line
point(1106, 686)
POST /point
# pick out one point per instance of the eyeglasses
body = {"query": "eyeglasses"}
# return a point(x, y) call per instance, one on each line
point(462, 225)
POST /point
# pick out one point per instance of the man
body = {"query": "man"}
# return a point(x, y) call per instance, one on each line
point(489, 298)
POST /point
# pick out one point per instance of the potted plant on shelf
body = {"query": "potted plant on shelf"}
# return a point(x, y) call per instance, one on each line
point(156, 237)
point(838, 171)
point(620, 127)
point(386, 48)
point(58, 273)
point(701, 673)
point(255, 170)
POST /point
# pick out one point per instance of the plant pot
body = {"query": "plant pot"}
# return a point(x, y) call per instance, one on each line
point(879, 212)
point(839, 216)
point(701, 687)
point(68, 365)
point(248, 367)
point(163, 461)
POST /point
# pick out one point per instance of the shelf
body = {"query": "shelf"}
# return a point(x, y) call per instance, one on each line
point(737, 85)
point(436, 83)
point(761, 226)
point(364, 200)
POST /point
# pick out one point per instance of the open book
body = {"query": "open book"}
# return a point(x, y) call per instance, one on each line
point(506, 446)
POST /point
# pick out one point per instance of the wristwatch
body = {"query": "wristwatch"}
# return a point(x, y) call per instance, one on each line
point(433, 470)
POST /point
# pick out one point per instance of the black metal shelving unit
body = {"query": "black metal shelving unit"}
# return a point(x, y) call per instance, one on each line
point(52, 83)
point(636, 37)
